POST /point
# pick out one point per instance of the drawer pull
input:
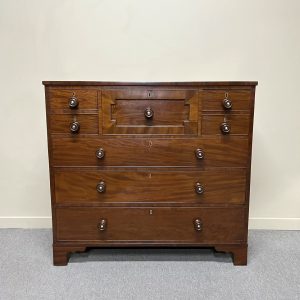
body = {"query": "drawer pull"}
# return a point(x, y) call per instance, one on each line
point(74, 127)
point(225, 128)
point(227, 104)
point(199, 189)
point(73, 102)
point(199, 153)
point(101, 186)
point(102, 225)
point(149, 113)
point(100, 153)
point(198, 225)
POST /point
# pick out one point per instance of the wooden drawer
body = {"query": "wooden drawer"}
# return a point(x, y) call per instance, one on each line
point(148, 111)
point(59, 98)
point(212, 124)
point(152, 225)
point(219, 186)
point(218, 152)
point(60, 123)
point(212, 100)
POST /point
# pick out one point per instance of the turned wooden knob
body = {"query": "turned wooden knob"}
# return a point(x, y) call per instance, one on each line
point(227, 104)
point(199, 189)
point(100, 153)
point(199, 153)
point(148, 113)
point(73, 102)
point(74, 127)
point(101, 186)
point(225, 128)
point(198, 225)
point(102, 225)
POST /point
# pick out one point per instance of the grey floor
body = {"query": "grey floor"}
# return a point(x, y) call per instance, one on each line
point(26, 270)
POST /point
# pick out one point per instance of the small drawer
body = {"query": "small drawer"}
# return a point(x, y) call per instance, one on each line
point(228, 125)
point(214, 152)
point(82, 99)
point(236, 100)
point(73, 124)
point(151, 224)
point(78, 186)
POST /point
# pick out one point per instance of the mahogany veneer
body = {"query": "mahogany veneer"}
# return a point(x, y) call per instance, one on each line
point(149, 164)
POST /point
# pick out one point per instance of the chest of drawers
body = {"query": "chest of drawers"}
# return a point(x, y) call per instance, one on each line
point(149, 165)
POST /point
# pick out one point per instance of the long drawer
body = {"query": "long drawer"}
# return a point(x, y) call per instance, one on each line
point(218, 152)
point(105, 186)
point(154, 225)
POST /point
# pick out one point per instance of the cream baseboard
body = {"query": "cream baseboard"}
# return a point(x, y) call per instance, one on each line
point(275, 223)
point(25, 222)
point(254, 223)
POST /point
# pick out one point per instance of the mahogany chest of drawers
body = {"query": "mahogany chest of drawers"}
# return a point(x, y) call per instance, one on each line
point(149, 165)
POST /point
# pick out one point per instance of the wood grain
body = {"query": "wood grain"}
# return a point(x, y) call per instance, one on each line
point(166, 112)
point(151, 224)
point(240, 124)
point(212, 100)
point(59, 98)
point(220, 186)
point(150, 168)
point(61, 254)
point(60, 123)
point(213, 84)
point(219, 152)
point(175, 111)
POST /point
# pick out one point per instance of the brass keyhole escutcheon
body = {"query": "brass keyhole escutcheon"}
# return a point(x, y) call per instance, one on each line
point(150, 212)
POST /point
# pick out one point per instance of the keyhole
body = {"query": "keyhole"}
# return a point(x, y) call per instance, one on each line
point(150, 212)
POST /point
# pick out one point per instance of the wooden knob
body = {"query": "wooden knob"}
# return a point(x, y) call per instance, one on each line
point(73, 102)
point(198, 225)
point(199, 189)
point(101, 186)
point(102, 225)
point(100, 153)
point(148, 113)
point(225, 128)
point(74, 127)
point(199, 153)
point(227, 104)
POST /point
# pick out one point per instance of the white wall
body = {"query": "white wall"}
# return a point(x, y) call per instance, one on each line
point(138, 40)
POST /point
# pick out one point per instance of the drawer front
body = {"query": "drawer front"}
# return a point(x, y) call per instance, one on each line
point(60, 98)
point(61, 123)
point(204, 187)
point(146, 111)
point(218, 152)
point(217, 225)
point(213, 100)
point(212, 124)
